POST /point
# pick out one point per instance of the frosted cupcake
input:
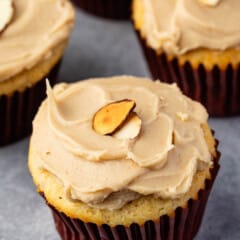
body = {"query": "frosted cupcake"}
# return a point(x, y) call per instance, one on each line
point(123, 158)
point(33, 36)
point(194, 43)
point(115, 9)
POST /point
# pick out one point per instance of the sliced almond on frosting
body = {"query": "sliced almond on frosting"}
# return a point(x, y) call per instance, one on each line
point(6, 8)
point(130, 129)
point(112, 116)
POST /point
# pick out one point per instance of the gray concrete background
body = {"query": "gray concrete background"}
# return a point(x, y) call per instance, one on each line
point(104, 48)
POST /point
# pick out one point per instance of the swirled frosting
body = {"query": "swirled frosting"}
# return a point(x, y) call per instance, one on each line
point(36, 28)
point(178, 26)
point(107, 172)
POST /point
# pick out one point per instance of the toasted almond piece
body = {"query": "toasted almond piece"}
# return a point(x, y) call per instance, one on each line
point(111, 117)
point(6, 7)
point(130, 129)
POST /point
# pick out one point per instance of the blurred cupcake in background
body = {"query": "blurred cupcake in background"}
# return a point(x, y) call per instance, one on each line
point(195, 44)
point(33, 37)
point(115, 9)
point(123, 158)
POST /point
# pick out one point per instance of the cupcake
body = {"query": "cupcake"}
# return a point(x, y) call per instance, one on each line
point(33, 36)
point(195, 44)
point(123, 158)
point(115, 9)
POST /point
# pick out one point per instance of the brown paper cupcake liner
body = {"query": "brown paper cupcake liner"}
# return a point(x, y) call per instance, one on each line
point(18, 110)
point(115, 9)
point(218, 90)
point(183, 225)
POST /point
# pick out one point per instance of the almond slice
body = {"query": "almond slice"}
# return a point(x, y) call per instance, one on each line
point(6, 7)
point(130, 129)
point(111, 117)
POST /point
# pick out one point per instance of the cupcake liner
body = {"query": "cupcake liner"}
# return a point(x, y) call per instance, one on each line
point(218, 90)
point(183, 225)
point(18, 109)
point(115, 9)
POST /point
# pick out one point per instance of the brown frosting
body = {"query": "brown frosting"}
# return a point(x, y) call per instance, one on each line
point(107, 172)
point(36, 28)
point(178, 26)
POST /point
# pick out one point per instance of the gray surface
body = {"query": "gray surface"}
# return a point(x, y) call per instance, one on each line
point(102, 48)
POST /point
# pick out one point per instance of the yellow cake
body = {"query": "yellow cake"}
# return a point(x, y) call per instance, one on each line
point(30, 77)
point(208, 57)
point(33, 38)
point(189, 42)
point(137, 211)
point(134, 179)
